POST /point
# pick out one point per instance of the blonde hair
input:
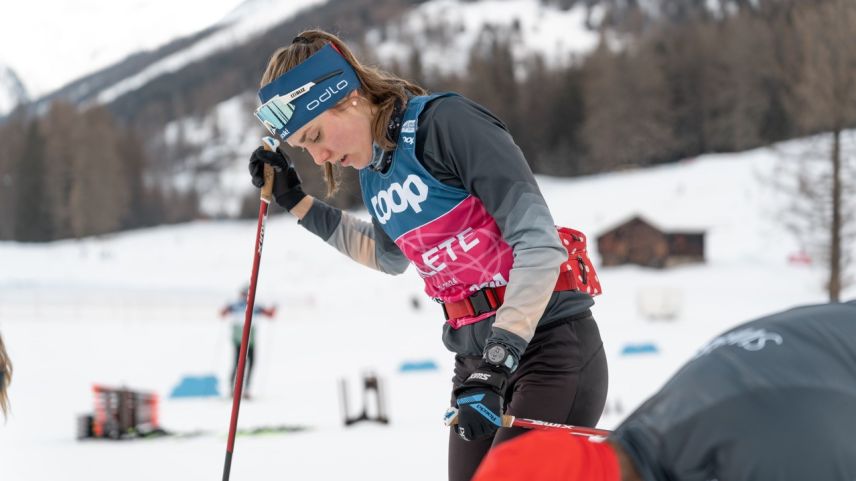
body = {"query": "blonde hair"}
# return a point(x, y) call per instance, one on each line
point(382, 89)
point(6, 379)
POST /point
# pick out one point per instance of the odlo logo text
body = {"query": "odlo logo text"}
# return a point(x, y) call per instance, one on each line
point(326, 95)
point(398, 197)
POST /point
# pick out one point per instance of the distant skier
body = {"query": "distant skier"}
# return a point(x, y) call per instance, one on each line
point(236, 312)
point(772, 399)
point(5, 377)
point(451, 193)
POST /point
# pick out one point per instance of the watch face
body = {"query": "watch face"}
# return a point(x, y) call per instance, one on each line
point(496, 354)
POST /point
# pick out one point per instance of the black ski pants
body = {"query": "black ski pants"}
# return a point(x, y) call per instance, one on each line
point(562, 378)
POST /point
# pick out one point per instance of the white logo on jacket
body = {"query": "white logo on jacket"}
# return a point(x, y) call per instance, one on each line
point(465, 242)
point(748, 338)
point(399, 197)
point(408, 127)
point(497, 281)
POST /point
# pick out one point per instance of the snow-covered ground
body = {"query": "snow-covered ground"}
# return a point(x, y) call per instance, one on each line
point(140, 309)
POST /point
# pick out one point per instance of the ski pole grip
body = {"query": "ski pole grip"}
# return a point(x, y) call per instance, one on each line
point(270, 145)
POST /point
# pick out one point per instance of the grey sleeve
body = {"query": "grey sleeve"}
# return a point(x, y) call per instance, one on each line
point(364, 242)
point(467, 146)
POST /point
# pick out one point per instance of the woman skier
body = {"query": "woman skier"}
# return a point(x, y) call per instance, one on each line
point(450, 192)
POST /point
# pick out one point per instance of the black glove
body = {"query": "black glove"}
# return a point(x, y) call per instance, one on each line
point(480, 403)
point(287, 190)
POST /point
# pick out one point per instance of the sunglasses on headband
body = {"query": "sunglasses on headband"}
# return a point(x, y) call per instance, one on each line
point(276, 112)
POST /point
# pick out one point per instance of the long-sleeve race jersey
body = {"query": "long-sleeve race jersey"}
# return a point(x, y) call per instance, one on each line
point(770, 400)
point(465, 147)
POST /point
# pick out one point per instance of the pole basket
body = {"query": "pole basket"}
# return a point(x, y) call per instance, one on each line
point(120, 413)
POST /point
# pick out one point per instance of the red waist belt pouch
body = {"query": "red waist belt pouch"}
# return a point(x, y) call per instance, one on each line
point(578, 273)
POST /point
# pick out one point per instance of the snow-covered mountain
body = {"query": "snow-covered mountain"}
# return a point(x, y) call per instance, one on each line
point(80, 37)
point(445, 31)
point(107, 57)
point(136, 62)
point(98, 34)
point(12, 91)
point(248, 20)
point(197, 87)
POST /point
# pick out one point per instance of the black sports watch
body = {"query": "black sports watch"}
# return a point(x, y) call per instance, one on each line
point(499, 356)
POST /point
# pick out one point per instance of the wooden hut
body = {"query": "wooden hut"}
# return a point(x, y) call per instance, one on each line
point(637, 241)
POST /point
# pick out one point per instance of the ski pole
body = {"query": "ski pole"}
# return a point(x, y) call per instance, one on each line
point(266, 195)
point(451, 419)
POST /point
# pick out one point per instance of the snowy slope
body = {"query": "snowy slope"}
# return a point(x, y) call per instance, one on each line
point(95, 34)
point(249, 20)
point(140, 309)
point(445, 31)
point(532, 26)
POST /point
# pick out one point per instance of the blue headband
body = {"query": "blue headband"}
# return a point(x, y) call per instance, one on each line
point(299, 95)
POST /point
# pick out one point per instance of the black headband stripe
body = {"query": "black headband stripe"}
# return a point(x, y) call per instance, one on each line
point(299, 39)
